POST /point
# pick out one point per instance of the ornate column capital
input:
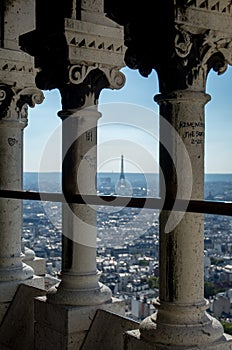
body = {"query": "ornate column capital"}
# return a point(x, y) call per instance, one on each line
point(79, 72)
point(14, 104)
point(86, 83)
point(194, 55)
point(181, 39)
point(186, 61)
point(82, 57)
point(203, 38)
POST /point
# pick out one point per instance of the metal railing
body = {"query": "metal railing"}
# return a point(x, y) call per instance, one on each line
point(192, 206)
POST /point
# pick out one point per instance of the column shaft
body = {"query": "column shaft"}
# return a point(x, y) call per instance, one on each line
point(181, 319)
point(79, 285)
point(181, 250)
point(12, 270)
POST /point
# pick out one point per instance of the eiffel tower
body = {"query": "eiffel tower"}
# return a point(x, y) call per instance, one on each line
point(122, 175)
point(123, 187)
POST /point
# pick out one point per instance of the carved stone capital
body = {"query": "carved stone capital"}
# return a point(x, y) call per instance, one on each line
point(181, 40)
point(194, 55)
point(84, 46)
point(78, 73)
point(86, 83)
point(14, 103)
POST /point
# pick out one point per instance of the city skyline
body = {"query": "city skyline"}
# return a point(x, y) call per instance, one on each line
point(123, 130)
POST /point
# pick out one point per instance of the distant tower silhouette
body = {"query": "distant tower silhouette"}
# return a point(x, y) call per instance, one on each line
point(123, 187)
point(122, 176)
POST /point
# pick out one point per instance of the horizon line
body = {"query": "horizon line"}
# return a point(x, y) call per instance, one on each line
point(118, 172)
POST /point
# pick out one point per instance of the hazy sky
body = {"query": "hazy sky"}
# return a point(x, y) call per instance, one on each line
point(129, 126)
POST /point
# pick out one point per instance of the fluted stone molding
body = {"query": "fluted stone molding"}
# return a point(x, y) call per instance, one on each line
point(13, 119)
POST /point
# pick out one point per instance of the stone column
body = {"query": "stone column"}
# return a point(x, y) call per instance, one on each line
point(79, 294)
point(80, 58)
point(79, 276)
point(181, 318)
point(13, 119)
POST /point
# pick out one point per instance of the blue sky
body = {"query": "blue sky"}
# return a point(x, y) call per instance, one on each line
point(129, 125)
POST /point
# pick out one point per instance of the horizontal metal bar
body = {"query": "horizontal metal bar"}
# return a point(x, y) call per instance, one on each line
point(194, 206)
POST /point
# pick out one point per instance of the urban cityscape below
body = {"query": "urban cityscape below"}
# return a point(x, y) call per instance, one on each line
point(128, 239)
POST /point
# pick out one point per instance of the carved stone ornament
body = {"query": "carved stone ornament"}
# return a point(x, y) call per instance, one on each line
point(14, 104)
point(92, 5)
point(78, 73)
point(183, 43)
point(86, 83)
point(195, 55)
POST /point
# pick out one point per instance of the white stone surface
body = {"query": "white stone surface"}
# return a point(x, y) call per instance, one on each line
point(38, 265)
point(19, 18)
point(133, 341)
point(12, 270)
point(17, 327)
point(17, 91)
point(181, 319)
point(64, 327)
point(79, 277)
point(107, 331)
point(16, 68)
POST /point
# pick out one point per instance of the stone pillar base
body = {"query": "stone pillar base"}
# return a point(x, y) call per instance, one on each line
point(63, 327)
point(133, 341)
point(38, 265)
point(8, 290)
point(17, 327)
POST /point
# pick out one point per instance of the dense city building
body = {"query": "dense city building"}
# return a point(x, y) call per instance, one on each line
point(79, 48)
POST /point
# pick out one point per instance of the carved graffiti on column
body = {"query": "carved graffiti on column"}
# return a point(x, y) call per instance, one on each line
point(192, 131)
point(12, 141)
point(89, 135)
point(90, 160)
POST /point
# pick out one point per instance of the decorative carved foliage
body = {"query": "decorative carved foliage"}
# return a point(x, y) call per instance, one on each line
point(30, 96)
point(194, 56)
point(215, 52)
point(78, 73)
point(92, 5)
point(14, 104)
point(222, 6)
point(86, 83)
point(218, 44)
point(183, 43)
point(116, 79)
point(6, 95)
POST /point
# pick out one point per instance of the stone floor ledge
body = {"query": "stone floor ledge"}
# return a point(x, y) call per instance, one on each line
point(133, 341)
